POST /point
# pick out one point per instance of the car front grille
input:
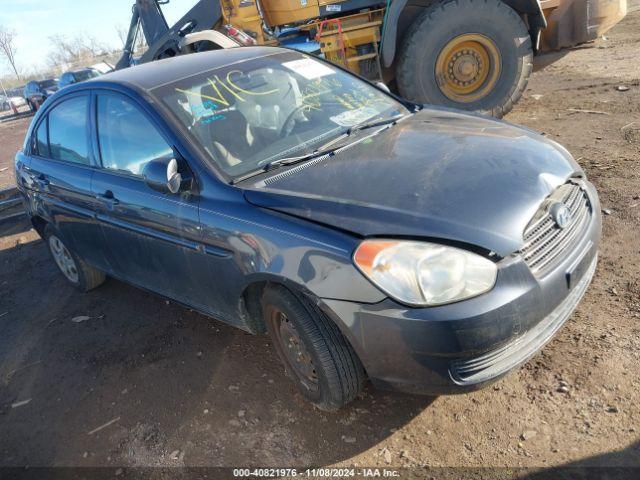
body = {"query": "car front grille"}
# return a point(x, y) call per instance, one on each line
point(544, 241)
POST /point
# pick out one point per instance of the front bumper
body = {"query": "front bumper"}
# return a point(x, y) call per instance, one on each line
point(464, 346)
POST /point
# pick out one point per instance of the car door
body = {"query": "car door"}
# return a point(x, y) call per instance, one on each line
point(59, 174)
point(152, 237)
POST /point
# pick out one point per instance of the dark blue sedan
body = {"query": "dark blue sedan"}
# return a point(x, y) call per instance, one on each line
point(424, 249)
point(69, 78)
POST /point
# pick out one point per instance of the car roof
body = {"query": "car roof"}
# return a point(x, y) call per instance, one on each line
point(150, 75)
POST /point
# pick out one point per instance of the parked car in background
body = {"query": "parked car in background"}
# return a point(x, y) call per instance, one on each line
point(37, 91)
point(429, 250)
point(16, 92)
point(69, 78)
point(13, 98)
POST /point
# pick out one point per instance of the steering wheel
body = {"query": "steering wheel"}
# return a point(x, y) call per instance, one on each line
point(291, 120)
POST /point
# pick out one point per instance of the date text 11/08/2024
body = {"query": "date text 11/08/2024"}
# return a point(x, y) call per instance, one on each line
point(315, 472)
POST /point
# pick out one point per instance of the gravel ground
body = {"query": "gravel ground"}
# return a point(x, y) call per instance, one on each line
point(147, 383)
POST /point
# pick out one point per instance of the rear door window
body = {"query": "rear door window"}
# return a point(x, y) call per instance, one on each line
point(128, 140)
point(68, 139)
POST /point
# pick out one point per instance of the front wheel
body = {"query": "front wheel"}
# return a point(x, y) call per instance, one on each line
point(467, 54)
point(316, 355)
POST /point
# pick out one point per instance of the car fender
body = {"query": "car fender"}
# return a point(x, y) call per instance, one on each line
point(261, 245)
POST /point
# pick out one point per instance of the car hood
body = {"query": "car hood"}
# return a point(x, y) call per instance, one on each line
point(439, 174)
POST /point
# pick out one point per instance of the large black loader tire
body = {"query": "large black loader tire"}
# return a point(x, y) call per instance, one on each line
point(468, 54)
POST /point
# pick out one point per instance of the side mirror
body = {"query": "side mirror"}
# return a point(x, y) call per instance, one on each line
point(162, 175)
point(383, 86)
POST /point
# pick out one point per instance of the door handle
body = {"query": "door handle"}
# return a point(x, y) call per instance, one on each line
point(42, 182)
point(108, 199)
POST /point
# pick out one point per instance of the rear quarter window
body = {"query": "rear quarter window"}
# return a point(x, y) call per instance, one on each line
point(41, 145)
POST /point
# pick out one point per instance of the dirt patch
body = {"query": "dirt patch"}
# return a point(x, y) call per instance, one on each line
point(186, 390)
point(12, 133)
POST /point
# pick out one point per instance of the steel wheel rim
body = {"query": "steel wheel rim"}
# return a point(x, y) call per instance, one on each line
point(294, 351)
point(468, 68)
point(63, 259)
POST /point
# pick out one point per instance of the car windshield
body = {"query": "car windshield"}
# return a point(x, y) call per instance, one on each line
point(47, 83)
point(251, 113)
point(83, 75)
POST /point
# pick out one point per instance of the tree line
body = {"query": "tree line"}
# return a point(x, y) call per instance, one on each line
point(64, 50)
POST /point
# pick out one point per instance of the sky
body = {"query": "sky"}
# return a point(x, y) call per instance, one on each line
point(36, 20)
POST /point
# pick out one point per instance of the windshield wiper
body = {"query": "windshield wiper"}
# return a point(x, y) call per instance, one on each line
point(375, 123)
point(283, 162)
point(324, 149)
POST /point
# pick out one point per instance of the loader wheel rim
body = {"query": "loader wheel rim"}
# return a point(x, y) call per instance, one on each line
point(468, 68)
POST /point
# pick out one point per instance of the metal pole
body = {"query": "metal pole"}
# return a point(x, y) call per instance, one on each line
point(3, 90)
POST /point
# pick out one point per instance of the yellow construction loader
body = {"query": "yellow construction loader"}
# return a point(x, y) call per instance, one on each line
point(468, 54)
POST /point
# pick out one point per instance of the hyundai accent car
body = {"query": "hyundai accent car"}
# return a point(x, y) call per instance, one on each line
point(424, 249)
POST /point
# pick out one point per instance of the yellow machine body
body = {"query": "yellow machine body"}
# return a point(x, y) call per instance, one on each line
point(352, 39)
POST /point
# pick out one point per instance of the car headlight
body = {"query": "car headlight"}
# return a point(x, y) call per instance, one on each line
point(424, 274)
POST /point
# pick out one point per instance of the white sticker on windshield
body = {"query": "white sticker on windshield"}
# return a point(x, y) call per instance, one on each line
point(354, 117)
point(309, 69)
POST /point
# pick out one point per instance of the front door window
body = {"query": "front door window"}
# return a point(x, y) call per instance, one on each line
point(128, 140)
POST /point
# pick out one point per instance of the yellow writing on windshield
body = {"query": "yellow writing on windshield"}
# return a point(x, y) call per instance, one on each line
point(226, 89)
point(326, 87)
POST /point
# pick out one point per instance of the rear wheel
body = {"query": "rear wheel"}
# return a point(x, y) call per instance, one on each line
point(75, 270)
point(468, 54)
point(316, 355)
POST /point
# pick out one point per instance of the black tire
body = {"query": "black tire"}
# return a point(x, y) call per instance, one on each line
point(447, 20)
point(88, 277)
point(338, 372)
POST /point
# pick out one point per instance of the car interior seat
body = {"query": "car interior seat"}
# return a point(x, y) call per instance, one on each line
point(227, 130)
point(275, 96)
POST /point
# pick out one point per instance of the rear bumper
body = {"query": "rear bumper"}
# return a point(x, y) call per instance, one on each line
point(464, 346)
